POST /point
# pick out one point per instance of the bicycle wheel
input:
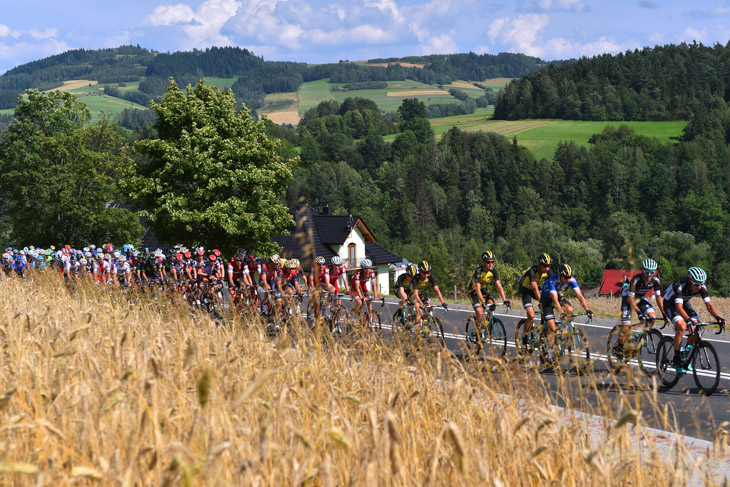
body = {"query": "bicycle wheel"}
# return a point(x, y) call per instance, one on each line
point(473, 340)
point(339, 322)
point(665, 359)
point(374, 323)
point(519, 333)
point(496, 338)
point(542, 346)
point(617, 357)
point(706, 368)
point(648, 347)
point(432, 332)
point(578, 351)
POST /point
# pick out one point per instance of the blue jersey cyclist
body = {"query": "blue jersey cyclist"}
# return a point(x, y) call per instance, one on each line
point(680, 311)
point(552, 299)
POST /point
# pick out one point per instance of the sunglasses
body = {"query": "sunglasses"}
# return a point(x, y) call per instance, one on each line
point(488, 261)
point(649, 273)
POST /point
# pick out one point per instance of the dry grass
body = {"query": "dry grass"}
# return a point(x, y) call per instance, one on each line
point(611, 307)
point(98, 391)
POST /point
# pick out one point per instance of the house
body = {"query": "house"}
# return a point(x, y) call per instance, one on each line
point(323, 234)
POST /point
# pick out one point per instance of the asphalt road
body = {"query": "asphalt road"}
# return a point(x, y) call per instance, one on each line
point(696, 415)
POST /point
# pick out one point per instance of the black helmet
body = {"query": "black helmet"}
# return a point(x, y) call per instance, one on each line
point(544, 259)
point(566, 270)
point(424, 266)
point(412, 270)
point(488, 255)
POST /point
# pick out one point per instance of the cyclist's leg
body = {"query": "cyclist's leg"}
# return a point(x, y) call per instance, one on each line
point(477, 305)
point(527, 296)
point(625, 321)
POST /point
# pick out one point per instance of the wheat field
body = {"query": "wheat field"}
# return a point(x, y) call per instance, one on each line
point(97, 388)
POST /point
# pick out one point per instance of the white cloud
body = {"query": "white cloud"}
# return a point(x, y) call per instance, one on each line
point(441, 44)
point(691, 34)
point(43, 34)
point(657, 37)
point(481, 49)
point(4, 30)
point(386, 6)
point(339, 11)
point(565, 5)
point(202, 26)
point(523, 35)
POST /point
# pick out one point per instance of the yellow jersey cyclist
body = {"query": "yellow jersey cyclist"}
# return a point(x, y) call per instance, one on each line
point(477, 292)
point(403, 286)
point(423, 279)
point(529, 285)
point(681, 312)
point(552, 299)
point(635, 298)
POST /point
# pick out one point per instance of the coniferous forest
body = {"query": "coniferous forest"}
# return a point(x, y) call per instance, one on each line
point(623, 198)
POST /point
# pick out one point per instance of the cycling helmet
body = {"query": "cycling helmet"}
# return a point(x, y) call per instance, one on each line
point(424, 266)
point(319, 260)
point(122, 258)
point(488, 255)
point(212, 257)
point(87, 254)
point(187, 254)
point(117, 254)
point(85, 249)
point(696, 275)
point(83, 261)
point(107, 257)
point(179, 256)
point(92, 247)
point(566, 270)
point(200, 252)
point(39, 257)
point(366, 264)
point(274, 259)
point(544, 259)
point(292, 264)
point(648, 265)
point(412, 270)
point(217, 252)
point(336, 260)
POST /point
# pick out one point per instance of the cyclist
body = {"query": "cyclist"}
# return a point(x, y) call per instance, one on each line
point(122, 271)
point(235, 271)
point(403, 286)
point(529, 284)
point(483, 275)
point(270, 275)
point(552, 299)
point(635, 297)
point(289, 281)
point(330, 274)
point(359, 285)
point(681, 312)
point(418, 286)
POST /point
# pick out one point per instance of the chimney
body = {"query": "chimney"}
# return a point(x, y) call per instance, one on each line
point(327, 211)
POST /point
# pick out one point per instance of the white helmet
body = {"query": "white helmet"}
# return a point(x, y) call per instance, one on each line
point(336, 260)
point(366, 264)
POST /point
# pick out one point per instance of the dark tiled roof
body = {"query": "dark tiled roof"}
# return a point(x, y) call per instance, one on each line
point(334, 229)
point(379, 255)
point(322, 232)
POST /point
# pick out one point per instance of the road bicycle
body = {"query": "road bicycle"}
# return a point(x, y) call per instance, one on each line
point(489, 336)
point(426, 334)
point(700, 357)
point(526, 347)
point(368, 321)
point(568, 341)
point(641, 344)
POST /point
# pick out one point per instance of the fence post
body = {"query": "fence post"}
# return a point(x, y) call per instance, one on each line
point(454, 292)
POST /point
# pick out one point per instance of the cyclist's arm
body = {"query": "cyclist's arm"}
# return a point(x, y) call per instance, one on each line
point(556, 301)
point(438, 293)
point(536, 289)
point(500, 289)
point(375, 288)
point(581, 298)
point(711, 309)
point(679, 307)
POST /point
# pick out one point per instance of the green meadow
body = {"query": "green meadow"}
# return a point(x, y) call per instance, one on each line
point(542, 136)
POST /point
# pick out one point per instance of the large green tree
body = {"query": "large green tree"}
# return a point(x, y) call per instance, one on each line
point(61, 172)
point(212, 176)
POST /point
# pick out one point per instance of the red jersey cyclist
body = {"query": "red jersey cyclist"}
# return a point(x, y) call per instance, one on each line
point(329, 275)
point(359, 285)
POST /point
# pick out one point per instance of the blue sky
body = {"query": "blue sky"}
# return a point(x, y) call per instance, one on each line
point(329, 31)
